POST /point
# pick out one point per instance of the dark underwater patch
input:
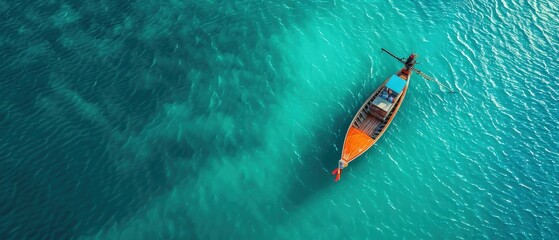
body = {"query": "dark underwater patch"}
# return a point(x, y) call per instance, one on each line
point(80, 79)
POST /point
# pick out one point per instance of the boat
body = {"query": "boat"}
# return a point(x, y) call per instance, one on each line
point(375, 115)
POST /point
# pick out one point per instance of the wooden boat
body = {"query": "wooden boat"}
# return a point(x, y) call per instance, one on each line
point(376, 114)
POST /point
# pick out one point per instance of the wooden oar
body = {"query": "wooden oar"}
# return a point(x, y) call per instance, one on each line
point(432, 79)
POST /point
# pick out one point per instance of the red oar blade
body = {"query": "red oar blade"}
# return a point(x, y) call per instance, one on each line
point(335, 171)
point(338, 175)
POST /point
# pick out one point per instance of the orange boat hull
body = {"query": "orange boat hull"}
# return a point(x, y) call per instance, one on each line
point(356, 142)
point(359, 139)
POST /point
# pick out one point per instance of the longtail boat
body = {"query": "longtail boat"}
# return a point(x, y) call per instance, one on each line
point(376, 114)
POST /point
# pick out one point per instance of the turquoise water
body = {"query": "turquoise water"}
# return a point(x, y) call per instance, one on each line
point(223, 119)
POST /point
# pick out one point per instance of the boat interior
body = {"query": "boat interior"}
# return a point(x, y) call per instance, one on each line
point(373, 117)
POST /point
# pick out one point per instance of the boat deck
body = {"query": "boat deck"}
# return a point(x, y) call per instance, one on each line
point(370, 125)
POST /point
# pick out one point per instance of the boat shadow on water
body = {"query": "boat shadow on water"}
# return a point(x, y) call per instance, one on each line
point(313, 179)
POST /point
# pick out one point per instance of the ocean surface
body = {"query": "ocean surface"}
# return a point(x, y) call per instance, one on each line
point(222, 119)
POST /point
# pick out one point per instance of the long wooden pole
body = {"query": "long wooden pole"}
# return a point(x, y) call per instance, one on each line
point(418, 71)
point(394, 56)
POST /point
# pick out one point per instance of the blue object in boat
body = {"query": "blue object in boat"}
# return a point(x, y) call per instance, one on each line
point(396, 84)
